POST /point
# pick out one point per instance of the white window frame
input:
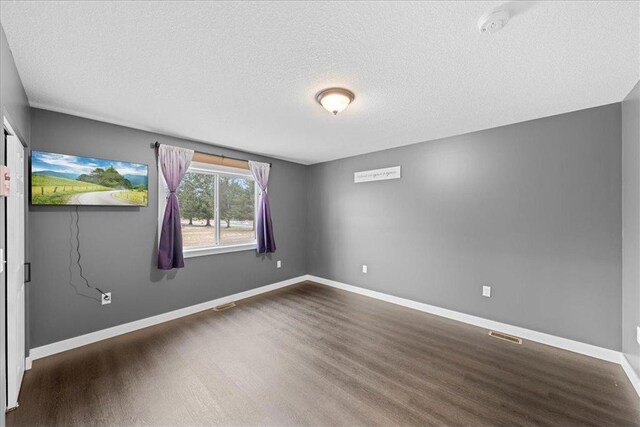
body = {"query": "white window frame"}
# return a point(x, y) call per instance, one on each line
point(163, 193)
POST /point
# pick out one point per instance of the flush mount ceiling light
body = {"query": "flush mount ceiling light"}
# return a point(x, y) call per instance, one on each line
point(493, 21)
point(335, 99)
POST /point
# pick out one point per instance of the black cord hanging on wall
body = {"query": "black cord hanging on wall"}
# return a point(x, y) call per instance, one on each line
point(86, 281)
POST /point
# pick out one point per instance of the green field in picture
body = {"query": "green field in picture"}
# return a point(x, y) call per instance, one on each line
point(60, 179)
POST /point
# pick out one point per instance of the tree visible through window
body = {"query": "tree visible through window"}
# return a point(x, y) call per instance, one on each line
point(197, 197)
point(216, 209)
point(237, 209)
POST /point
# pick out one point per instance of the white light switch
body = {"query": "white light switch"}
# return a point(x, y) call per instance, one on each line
point(278, 264)
point(364, 268)
point(638, 334)
point(486, 291)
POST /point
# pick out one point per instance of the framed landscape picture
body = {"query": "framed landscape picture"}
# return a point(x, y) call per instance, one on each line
point(61, 179)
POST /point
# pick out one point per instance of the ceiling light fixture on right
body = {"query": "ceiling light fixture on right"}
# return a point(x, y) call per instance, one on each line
point(335, 99)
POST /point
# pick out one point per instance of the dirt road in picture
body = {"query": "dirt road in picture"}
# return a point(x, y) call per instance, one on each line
point(99, 198)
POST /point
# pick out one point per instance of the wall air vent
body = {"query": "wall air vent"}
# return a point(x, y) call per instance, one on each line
point(505, 337)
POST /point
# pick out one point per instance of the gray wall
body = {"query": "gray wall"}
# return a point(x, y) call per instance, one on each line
point(14, 105)
point(631, 226)
point(119, 244)
point(533, 209)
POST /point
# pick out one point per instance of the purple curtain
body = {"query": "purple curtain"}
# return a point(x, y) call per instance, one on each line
point(264, 228)
point(174, 162)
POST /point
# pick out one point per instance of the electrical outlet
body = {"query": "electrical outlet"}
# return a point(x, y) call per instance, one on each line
point(364, 268)
point(278, 264)
point(638, 334)
point(486, 291)
point(106, 298)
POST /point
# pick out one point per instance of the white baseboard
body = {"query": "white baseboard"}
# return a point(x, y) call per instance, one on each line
point(631, 373)
point(71, 343)
point(543, 338)
point(552, 340)
point(28, 363)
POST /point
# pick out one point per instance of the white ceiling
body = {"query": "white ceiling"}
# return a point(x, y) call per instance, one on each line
point(244, 74)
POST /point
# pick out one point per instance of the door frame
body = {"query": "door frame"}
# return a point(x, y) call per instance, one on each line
point(10, 130)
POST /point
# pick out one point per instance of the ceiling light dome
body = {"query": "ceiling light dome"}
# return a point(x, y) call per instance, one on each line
point(335, 99)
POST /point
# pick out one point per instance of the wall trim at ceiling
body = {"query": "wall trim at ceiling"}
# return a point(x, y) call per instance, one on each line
point(162, 132)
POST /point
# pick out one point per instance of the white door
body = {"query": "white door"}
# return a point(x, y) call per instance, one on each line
point(15, 270)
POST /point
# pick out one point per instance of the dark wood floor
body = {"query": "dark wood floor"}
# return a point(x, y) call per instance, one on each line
point(313, 355)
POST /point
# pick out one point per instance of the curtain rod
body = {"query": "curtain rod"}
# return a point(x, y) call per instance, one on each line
point(157, 144)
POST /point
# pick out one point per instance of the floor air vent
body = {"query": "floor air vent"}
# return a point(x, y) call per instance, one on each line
point(505, 337)
point(224, 307)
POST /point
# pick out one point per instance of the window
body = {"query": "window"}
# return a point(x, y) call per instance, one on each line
point(217, 209)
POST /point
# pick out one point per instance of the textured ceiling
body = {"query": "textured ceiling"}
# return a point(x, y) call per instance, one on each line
point(244, 74)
